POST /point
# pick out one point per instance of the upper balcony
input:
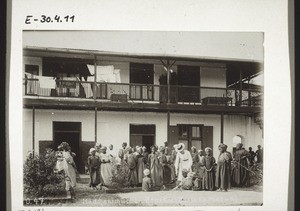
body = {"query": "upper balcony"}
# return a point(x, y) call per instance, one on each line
point(132, 96)
point(76, 79)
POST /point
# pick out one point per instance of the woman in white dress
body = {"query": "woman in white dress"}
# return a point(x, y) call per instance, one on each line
point(106, 167)
point(183, 161)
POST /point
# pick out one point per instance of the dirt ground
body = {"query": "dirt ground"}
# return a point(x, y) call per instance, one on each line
point(235, 196)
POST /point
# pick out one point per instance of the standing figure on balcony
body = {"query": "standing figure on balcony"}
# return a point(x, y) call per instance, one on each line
point(183, 161)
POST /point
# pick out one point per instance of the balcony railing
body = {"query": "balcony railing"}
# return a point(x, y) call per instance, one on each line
point(124, 92)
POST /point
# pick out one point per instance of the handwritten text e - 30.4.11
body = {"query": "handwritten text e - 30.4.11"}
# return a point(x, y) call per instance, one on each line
point(48, 19)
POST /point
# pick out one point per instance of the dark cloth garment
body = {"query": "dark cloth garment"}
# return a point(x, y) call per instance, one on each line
point(223, 171)
point(259, 155)
point(240, 175)
point(122, 153)
point(146, 154)
point(155, 170)
point(195, 158)
point(131, 161)
point(166, 169)
point(251, 158)
point(187, 183)
point(94, 166)
point(140, 167)
point(209, 176)
point(147, 184)
point(168, 151)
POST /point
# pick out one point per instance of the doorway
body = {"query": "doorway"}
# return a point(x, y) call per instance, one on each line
point(189, 83)
point(69, 132)
point(142, 135)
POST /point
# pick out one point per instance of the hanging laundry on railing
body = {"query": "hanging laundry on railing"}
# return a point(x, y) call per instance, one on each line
point(117, 75)
point(106, 73)
point(46, 82)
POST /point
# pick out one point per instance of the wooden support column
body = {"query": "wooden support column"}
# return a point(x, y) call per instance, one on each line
point(222, 128)
point(95, 77)
point(168, 127)
point(95, 124)
point(241, 88)
point(33, 130)
point(249, 93)
point(168, 79)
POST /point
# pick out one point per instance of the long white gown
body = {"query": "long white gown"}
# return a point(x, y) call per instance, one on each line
point(183, 161)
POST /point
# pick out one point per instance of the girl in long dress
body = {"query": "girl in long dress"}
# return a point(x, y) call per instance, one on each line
point(240, 173)
point(94, 165)
point(140, 165)
point(106, 168)
point(131, 161)
point(166, 170)
point(154, 166)
point(195, 158)
point(171, 162)
point(209, 164)
point(223, 169)
point(183, 161)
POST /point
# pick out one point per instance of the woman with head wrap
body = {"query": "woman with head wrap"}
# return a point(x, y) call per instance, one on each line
point(171, 162)
point(195, 158)
point(223, 169)
point(66, 163)
point(166, 170)
point(240, 173)
point(209, 176)
point(140, 164)
point(106, 168)
point(94, 165)
point(131, 161)
point(154, 167)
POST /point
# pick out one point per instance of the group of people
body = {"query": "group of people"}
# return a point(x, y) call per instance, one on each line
point(191, 170)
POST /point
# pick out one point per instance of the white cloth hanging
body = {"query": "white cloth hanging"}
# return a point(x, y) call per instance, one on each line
point(46, 82)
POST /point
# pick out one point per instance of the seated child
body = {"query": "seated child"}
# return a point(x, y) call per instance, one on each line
point(186, 182)
point(147, 182)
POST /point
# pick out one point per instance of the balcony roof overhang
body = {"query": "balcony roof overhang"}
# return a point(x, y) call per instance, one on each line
point(249, 67)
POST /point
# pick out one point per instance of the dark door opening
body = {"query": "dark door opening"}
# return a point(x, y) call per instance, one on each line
point(69, 132)
point(141, 79)
point(188, 76)
point(142, 135)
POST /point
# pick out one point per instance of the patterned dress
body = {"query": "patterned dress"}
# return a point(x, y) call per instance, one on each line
point(223, 171)
point(131, 161)
point(240, 174)
point(155, 170)
point(209, 178)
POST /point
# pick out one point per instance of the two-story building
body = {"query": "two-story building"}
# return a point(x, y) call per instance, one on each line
point(89, 96)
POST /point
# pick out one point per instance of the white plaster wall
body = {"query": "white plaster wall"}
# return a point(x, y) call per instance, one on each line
point(32, 61)
point(113, 127)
